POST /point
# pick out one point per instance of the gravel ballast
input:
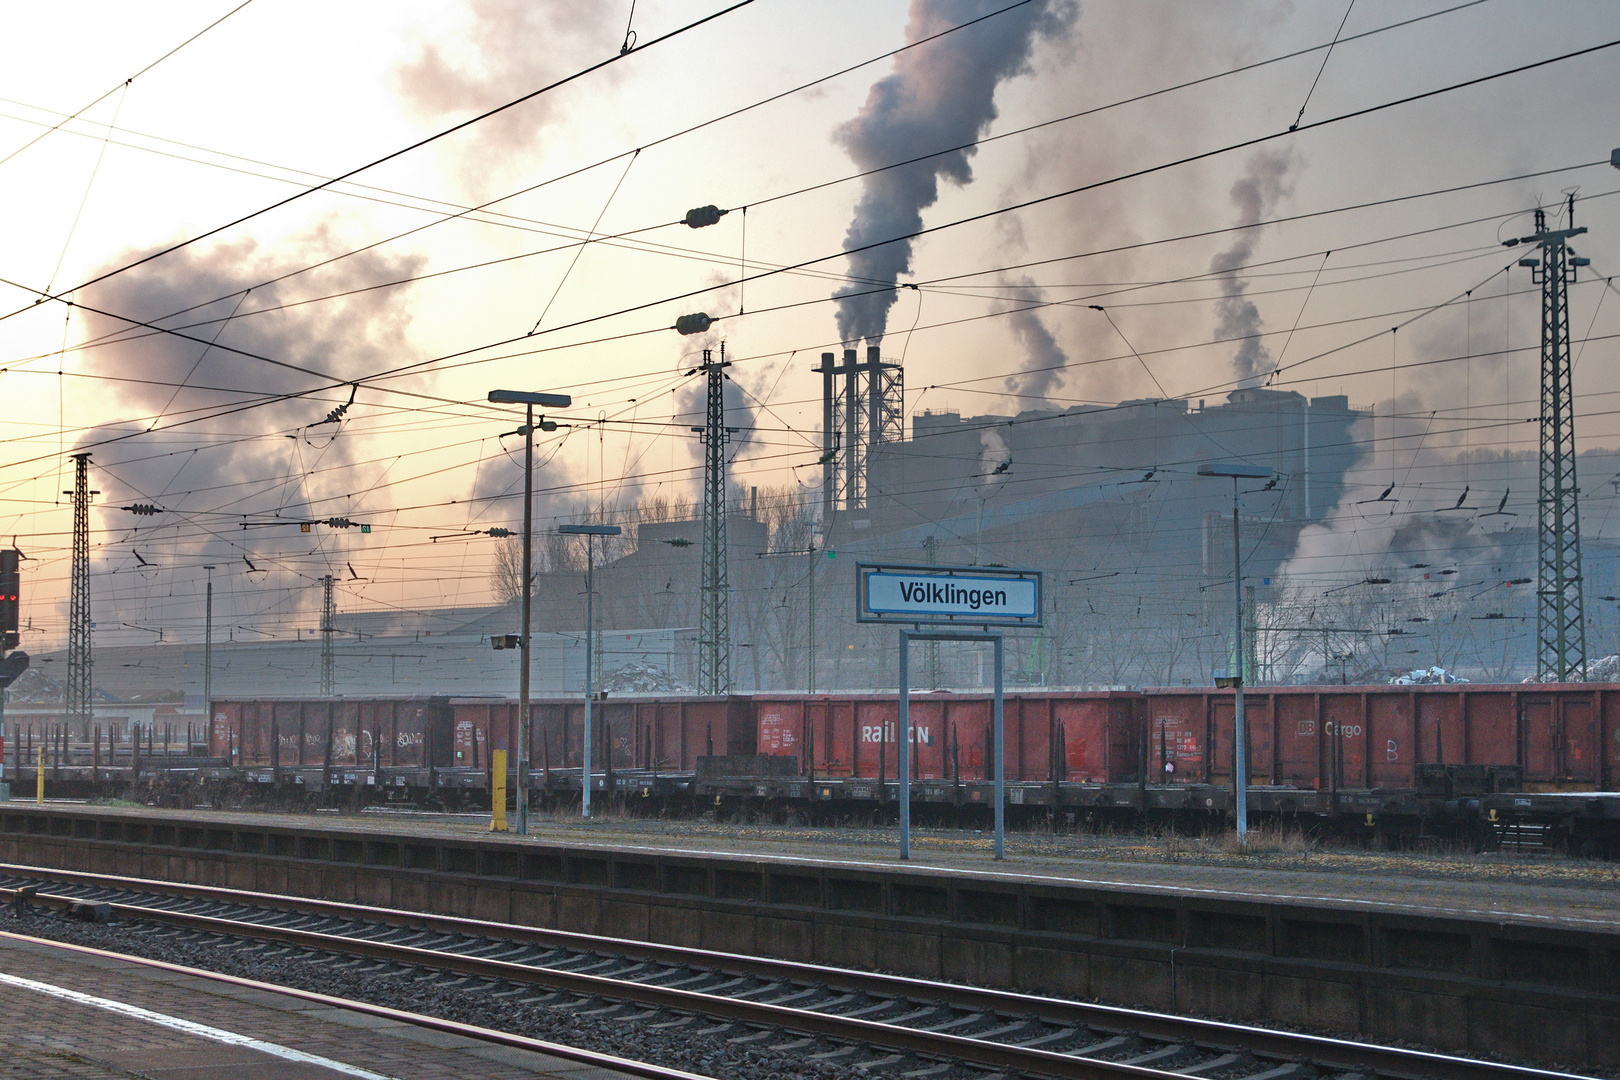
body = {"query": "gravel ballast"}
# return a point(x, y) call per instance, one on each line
point(690, 1047)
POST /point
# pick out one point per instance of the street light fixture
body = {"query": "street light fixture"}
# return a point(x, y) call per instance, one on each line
point(590, 533)
point(1240, 743)
point(528, 400)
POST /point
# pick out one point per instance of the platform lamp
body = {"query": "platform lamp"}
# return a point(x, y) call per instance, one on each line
point(590, 533)
point(528, 400)
point(1240, 742)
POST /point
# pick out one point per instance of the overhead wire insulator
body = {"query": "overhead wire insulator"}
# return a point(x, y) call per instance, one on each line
point(700, 216)
point(693, 324)
point(144, 509)
point(499, 532)
point(339, 523)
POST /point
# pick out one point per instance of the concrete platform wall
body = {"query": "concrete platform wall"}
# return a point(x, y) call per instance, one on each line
point(1539, 993)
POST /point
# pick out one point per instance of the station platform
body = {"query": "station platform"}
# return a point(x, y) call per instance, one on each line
point(85, 1015)
point(1536, 888)
point(1516, 955)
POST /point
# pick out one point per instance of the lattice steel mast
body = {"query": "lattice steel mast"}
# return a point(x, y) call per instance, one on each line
point(1560, 622)
point(714, 641)
point(328, 624)
point(79, 652)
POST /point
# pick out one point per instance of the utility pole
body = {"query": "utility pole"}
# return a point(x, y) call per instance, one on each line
point(79, 650)
point(931, 553)
point(528, 399)
point(208, 645)
point(1234, 674)
point(714, 641)
point(590, 533)
point(328, 624)
point(1560, 625)
point(810, 574)
point(809, 553)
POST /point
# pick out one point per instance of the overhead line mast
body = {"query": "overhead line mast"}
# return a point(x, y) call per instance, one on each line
point(328, 625)
point(79, 646)
point(714, 640)
point(1560, 621)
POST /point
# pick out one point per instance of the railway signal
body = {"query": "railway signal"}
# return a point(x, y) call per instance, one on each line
point(10, 594)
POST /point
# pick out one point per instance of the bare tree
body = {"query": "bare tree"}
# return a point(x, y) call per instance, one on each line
point(506, 579)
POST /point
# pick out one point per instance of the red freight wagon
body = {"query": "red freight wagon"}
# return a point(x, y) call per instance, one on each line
point(672, 733)
point(1562, 737)
point(1076, 737)
point(293, 733)
point(654, 734)
point(856, 735)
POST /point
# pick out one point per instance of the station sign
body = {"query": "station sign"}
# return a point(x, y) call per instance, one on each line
point(951, 595)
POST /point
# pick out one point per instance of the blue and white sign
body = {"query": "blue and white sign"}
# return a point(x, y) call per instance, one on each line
point(962, 595)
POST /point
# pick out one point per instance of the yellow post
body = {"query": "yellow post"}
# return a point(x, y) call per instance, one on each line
point(39, 775)
point(497, 791)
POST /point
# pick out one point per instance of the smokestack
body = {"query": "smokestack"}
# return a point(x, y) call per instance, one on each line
point(829, 467)
point(874, 405)
point(852, 464)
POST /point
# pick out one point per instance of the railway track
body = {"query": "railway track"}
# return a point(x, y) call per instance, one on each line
point(875, 1022)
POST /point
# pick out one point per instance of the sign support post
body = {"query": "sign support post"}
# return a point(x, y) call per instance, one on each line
point(954, 599)
point(590, 533)
point(903, 735)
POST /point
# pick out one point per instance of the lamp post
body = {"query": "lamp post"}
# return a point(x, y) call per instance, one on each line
point(1240, 742)
point(528, 400)
point(208, 646)
point(590, 533)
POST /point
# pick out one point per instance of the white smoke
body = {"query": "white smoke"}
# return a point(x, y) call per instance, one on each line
point(1044, 358)
point(995, 460)
point(1255, 194)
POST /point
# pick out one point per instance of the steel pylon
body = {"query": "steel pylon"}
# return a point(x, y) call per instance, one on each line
point(714, 640)
point(79, 712)
point(1560, 622)
point(328, 625)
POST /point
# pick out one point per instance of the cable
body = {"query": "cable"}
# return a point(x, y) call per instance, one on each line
point(922, 41)
point(737, 4)
point(580, 248)
point(1041, 200)
point(1348, 8)
point(127, 81)
point(463, 212)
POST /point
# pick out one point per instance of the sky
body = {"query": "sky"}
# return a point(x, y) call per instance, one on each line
point(191, 135)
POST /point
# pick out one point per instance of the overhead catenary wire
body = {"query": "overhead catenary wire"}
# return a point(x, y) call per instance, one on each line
point(124, 83)
point(914, 44)
point(390, 156)
point(1296, 321)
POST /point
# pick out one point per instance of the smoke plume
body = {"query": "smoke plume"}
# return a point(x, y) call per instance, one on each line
point(271, 458)
point(939, 95)
point(1255, 195)
point(995, 460)
point(1044, 358)
point(513, 48)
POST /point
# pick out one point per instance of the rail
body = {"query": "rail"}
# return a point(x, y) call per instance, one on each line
point(991, 1029)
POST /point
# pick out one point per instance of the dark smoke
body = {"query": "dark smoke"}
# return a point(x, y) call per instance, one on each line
point(1255, 195)
point(939, 95)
